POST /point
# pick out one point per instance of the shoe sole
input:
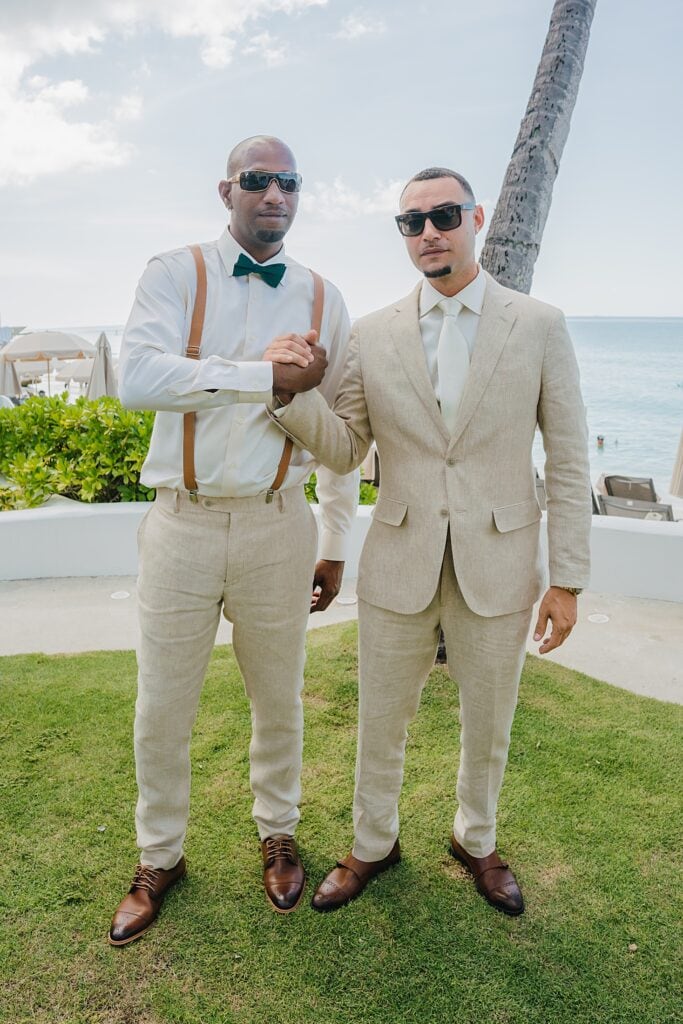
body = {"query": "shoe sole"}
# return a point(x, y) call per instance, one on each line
point(496, 906)
point(289, 910)
point(131, 938)
point(338, 906)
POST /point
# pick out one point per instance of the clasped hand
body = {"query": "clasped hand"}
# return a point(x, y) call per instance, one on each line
point(299, 363)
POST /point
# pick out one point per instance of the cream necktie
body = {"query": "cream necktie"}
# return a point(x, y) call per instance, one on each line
point(453, 361)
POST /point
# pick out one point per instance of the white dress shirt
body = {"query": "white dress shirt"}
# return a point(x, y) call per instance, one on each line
point(431, 320)
point(237, 447)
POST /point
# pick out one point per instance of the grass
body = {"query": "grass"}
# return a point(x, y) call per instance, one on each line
point(589, 818)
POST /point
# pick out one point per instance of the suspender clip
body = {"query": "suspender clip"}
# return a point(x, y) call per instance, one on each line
point(269, 495)
point(193, 497)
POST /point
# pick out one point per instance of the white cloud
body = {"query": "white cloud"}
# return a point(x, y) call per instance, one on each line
point(62, 94)
point(39, 135)
point(38, 138)
point(129, 108)
point(338, 201)
point(272, 50)
point(217, 51)
point(356, 25)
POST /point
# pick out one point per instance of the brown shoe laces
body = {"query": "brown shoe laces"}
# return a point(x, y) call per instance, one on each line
point(280, 848)
point(145, 877)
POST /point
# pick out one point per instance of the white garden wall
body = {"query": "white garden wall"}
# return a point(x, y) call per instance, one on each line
point(631, 557)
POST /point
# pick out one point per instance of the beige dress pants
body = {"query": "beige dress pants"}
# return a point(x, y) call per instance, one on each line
point(254, 561)
point(396, 652)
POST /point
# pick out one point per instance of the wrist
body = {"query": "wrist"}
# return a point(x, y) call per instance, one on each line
point(282, 398)
point(570, 590)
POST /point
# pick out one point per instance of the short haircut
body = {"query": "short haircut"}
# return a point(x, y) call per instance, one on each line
point(430, 173)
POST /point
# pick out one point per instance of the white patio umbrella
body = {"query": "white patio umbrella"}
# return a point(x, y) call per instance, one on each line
point(103, 379)
point(47, 346)
point(34, 369)
point(677, 478)
point(9, 381)
point(78, 370)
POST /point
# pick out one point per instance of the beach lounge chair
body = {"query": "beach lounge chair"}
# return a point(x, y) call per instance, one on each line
point(540, 491)
point(369, 470)
point(597, 511)
point(638, 488)
point(635, 509)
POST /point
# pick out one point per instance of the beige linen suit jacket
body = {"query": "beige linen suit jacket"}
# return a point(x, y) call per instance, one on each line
point(479, 480)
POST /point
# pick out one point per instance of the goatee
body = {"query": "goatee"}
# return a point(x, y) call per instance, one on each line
point(443, 272)
point(270, 236)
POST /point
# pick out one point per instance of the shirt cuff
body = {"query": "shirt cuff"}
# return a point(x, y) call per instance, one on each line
point(219, 374)
point(333, 547)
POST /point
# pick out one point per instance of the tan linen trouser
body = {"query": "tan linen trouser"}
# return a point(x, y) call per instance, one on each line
point(256, 561)
point(396, 654)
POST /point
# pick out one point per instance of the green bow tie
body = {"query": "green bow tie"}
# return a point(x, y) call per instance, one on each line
point(272, 273)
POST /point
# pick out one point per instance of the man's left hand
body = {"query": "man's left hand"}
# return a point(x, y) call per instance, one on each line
point(558, 606)
point(326, 584)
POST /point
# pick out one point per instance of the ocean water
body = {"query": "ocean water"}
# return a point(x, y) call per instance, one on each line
point(632, 383)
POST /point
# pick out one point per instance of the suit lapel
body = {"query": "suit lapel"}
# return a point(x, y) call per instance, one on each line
point(405, 334)
point(497, 318)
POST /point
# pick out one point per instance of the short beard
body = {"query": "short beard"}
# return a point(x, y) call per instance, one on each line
point(270, 236)
point(444, 272)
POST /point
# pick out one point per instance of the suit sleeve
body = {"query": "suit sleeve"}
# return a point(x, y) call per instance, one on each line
point(562, 420)
point(337, 493)
point(338, 438)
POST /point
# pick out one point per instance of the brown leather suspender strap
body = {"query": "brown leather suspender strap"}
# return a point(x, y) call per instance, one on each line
point(316, 324)
point(192, 352)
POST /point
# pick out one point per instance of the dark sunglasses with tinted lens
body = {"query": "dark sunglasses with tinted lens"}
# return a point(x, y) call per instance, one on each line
point(444, 218)
point(258, 181)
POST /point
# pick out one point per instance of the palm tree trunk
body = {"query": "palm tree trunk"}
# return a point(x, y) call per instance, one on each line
point(514, 237)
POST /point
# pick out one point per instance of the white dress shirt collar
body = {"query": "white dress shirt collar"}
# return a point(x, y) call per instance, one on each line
point(471, 296)
point(230, 250)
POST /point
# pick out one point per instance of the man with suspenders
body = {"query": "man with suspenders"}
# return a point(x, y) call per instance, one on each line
point(214, 330)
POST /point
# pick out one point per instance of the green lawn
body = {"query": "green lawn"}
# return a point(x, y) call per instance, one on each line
point(590, 818)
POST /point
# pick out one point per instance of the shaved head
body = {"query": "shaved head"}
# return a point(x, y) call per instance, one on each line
point(246, 152)
point(259, 220)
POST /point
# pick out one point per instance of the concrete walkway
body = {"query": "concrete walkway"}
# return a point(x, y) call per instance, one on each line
point(629, 642)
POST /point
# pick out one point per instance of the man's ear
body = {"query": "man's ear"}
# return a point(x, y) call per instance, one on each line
point(224, 190)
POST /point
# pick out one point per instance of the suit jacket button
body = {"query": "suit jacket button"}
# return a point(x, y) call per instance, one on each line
point(444, 512)
point(450, 461)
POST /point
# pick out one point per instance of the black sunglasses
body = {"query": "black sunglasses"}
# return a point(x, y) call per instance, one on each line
point(258, 181)
point(444, 218)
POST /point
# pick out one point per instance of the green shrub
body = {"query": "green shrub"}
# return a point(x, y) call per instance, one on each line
point(89, 451)
point(367, 494)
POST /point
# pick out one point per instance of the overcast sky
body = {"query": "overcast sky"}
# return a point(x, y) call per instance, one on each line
point(116, 118)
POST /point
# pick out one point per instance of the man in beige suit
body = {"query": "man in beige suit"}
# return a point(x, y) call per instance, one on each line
point(451, 382)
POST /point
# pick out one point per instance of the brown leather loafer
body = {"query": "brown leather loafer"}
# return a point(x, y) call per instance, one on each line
point(283, 873)
point(348, 879)
point(493, 879)
point(139, 908)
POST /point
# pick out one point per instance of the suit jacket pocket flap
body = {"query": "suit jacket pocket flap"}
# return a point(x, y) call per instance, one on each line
point(513, 517)
point(389, 511)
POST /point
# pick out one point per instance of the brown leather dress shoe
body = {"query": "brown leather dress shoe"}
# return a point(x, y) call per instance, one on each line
point(493, 879)
point(283, 873)
point(139, 908)
point(348, 879)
